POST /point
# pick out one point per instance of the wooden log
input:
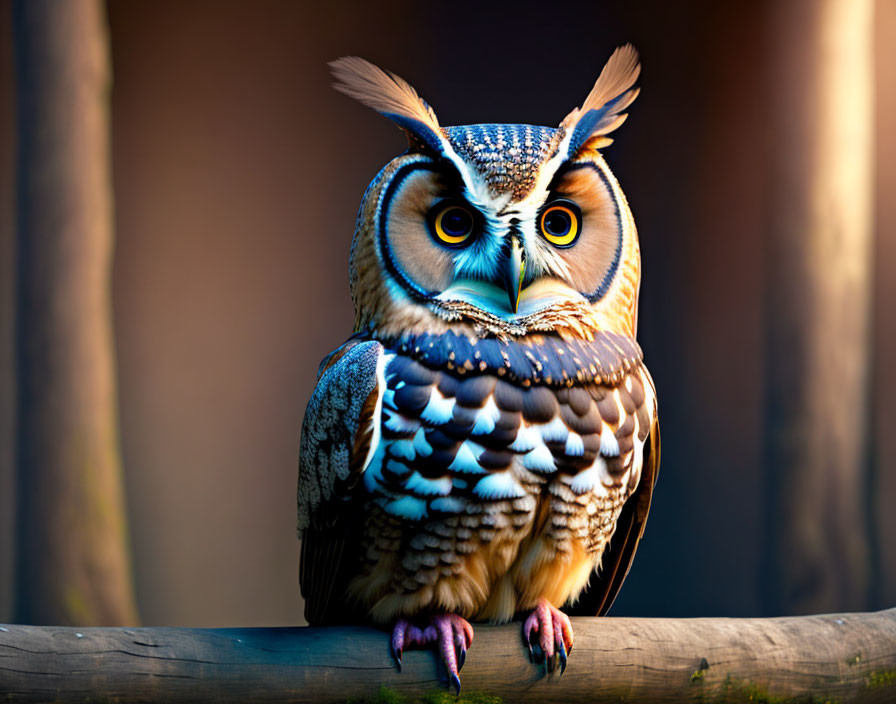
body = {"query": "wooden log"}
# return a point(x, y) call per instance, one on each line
point(72, 559)
point(827, 658)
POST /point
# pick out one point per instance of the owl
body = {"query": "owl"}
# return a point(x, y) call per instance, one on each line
point(485, 445)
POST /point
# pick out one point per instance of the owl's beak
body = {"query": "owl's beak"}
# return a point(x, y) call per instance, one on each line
point(515, 271)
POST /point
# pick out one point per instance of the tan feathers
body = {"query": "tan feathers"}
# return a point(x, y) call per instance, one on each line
point(619, 74)
point(381, 90)
point(614, 86)
point(391, 95)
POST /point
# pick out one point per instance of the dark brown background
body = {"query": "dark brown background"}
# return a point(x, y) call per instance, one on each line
point(238, 173)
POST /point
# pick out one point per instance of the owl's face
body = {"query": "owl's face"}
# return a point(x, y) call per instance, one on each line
point(496, 229)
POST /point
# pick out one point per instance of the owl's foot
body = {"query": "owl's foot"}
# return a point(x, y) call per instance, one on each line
point(548, 633)
point(452, 634)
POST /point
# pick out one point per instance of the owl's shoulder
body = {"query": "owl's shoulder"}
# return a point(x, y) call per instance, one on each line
point(536, 359)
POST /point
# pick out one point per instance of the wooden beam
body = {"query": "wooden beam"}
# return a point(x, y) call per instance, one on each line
point(836, 657)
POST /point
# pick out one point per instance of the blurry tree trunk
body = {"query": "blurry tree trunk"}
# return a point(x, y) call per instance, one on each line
point(818, 306)
point(72, 564)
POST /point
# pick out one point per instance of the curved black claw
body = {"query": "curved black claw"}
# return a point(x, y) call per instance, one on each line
point(399, 640)
point(548, 635)
point(451, 634)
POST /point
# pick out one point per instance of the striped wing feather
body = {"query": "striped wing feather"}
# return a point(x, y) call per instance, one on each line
point(336, 436)
point(598, 597)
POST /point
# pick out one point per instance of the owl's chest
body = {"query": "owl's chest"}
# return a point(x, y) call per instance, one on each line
point(448, 443)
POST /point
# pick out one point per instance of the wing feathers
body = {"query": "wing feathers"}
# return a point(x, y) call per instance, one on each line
point(337, 427)
point(598, 596)
point(336, 435)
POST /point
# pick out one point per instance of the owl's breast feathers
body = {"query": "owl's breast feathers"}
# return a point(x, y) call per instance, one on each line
point(425, 428)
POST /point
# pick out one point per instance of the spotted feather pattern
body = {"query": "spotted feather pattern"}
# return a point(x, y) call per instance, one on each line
point(478, 478)
point(483, 438)
point(507, 157)
point(533, 360)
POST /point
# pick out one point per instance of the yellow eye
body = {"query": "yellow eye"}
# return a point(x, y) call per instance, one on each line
point(452, 224)
point(560, 223)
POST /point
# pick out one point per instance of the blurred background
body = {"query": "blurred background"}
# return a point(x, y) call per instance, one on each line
point(237, 175)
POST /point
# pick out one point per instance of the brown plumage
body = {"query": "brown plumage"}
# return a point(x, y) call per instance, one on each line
point(486, 444)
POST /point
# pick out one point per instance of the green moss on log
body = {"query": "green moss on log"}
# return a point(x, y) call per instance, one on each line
point(735, 691)
point(881, 678)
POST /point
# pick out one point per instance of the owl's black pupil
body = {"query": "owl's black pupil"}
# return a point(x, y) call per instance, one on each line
point(457, 222)
point(557, 223)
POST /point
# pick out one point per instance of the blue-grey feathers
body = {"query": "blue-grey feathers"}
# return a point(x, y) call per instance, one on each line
point(332, 422)
point(551, 362)
point(417, 129)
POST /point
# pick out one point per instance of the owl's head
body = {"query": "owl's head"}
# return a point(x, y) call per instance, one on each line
point(496, 229)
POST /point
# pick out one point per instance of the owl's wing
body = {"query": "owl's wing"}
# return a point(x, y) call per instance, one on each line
point(338, 435)
point(617, 559)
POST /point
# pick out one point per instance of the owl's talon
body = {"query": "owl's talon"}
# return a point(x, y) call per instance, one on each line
point(451, 634)
point(399, 638)
point(549, 631)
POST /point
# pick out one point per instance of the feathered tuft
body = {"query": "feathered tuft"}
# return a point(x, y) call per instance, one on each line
point(389, 95)
point(601, 113)
point(619, 74)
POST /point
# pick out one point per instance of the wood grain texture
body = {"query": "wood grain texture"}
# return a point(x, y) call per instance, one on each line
point(835, 657)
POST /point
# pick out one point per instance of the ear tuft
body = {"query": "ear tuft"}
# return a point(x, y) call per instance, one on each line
point(390, 95)
point(601, 113)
